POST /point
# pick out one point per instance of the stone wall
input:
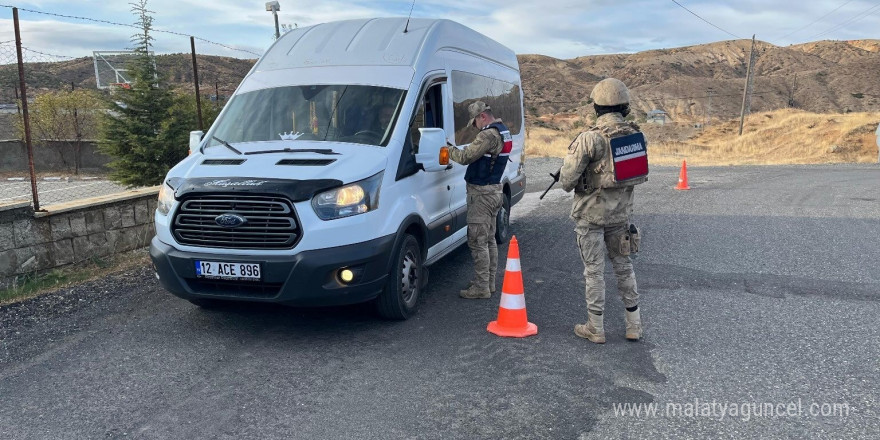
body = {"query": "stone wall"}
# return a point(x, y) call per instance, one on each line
point(32, 243)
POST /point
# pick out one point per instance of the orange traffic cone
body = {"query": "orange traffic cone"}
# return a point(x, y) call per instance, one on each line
point(683, 176)
point(512, 321)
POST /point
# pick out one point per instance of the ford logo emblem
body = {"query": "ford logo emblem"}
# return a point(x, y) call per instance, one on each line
point(230, 220)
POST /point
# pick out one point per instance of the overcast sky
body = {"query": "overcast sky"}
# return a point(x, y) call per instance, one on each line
point(558, 28)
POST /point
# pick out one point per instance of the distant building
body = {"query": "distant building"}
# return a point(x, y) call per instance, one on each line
point(656, 117)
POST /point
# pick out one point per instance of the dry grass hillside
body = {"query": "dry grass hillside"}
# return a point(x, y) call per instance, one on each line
point(705, 82)
point(777, 137)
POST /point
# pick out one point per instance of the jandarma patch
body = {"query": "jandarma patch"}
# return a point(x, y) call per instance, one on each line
point(630, 156)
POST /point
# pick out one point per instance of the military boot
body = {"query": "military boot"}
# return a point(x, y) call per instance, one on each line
point(592, 330)
point(633, 325)
point(474, 292)
point(491, 286)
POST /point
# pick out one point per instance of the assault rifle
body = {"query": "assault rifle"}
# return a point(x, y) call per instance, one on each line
point(555, 177)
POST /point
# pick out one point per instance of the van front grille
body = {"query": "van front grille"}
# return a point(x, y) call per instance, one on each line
point(235, 289)
point(270, 222)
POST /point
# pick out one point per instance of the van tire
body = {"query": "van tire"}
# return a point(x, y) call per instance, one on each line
point(502, 221)
point(400, 298)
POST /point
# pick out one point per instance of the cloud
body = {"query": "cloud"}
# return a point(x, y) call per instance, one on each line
point(561, 28)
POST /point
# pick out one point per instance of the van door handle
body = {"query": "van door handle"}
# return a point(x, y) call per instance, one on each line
point(448, 187)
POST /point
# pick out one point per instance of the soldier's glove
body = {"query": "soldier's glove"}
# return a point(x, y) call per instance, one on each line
point(556, 175)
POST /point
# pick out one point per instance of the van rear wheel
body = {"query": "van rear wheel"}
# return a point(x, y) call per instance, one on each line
point(502, 221)
point(401, 295)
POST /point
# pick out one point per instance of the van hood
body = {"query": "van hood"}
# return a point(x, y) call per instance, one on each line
point(286, 160)
point(286, 168)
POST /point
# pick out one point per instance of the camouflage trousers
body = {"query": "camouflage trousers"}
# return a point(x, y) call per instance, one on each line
point(483, 204)
point(590, 241)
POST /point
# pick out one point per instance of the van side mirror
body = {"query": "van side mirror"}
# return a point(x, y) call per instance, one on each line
point(433, 153)
point(195, 138)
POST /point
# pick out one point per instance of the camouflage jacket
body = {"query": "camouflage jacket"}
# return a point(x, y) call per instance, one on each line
point(486, 142)
point(596, 206)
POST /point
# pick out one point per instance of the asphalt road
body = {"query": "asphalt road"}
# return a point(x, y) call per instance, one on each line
point(759, 286)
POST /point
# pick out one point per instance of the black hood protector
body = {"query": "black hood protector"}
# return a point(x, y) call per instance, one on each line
point(295, 190)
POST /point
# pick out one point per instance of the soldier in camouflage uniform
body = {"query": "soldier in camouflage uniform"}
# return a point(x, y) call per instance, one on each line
point(601, 210)
point(486, 159)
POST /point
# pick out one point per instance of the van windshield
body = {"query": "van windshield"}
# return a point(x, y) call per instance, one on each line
point(336, 113)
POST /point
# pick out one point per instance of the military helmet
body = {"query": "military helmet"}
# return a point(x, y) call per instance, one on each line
point(476, 109)
point(610, 92)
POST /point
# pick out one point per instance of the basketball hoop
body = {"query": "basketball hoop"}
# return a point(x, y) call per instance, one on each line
point(111, 69)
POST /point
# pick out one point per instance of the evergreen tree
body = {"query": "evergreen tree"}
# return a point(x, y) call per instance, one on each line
point(147, 129)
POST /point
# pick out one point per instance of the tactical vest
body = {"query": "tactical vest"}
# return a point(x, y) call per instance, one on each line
point(489, 169)
point(624, 162)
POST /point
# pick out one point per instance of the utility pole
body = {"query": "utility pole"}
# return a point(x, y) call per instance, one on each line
point(274, 7)
point(747, 92)
point(192, 44)
point(24, 110)
point(709, 91)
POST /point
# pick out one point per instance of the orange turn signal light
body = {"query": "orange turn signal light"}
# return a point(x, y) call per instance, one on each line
point(444, 155)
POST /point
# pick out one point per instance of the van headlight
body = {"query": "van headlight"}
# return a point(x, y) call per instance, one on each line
point(352, 199)
point(166, 200)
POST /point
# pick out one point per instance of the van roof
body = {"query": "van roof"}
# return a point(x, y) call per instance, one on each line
point(378, 42)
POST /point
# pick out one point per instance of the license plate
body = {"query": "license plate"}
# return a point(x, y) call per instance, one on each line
point(222, 270)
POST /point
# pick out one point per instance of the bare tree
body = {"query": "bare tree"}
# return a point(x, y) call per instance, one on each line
point(64, 120)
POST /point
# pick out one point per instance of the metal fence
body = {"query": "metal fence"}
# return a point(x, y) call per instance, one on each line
point(45, 163)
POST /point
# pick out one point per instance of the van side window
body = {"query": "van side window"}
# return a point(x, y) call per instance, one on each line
point(429, 114)
point(502, 96)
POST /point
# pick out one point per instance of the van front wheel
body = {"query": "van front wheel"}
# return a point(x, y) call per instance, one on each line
point(401, 295)
point(502, 221)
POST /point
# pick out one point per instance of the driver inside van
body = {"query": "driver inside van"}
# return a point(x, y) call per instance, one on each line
point(386, 112)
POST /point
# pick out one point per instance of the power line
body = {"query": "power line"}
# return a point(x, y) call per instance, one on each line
point(707, 21)
point(814, 21)
point(27, 49)
point(95, 20)
point(856, 17)
point(49, 54)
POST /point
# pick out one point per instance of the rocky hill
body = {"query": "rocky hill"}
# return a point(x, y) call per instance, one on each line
point(696, 82)
point(690, 83)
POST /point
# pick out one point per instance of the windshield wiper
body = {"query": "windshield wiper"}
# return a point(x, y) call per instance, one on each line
point(226, 144)
point(296, 150)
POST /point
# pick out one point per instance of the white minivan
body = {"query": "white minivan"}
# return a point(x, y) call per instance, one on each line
point(321, 181)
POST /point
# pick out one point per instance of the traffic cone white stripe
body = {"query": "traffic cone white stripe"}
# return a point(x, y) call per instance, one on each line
point(513, 302)
point(513, 265)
